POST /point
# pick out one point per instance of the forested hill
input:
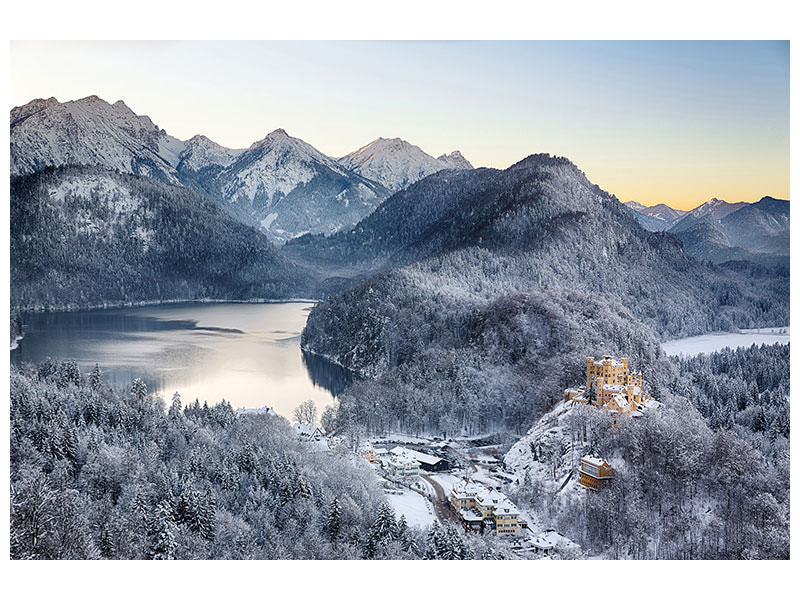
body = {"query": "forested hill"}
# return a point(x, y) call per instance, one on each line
point(485, 232)
point(83, 236)
point(499, 284)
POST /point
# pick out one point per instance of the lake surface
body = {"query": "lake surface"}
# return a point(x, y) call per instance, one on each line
point(248, 354)
point(714, 342)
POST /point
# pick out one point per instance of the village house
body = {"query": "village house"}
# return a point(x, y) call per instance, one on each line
point(367, 452)
point(546, 543)
point(402, 467)
point(480, 507)
point(264, 410)
point(595, 472)
point(427, 462)
point(309, 431)
point(610, 385)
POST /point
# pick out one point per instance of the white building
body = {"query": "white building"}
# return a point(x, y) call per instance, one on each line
point(402, 468)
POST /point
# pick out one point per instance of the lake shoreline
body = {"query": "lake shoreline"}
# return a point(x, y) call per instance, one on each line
point(145, 303)
point(245, 352)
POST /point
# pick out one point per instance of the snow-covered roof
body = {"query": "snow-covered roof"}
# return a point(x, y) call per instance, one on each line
point(613, 387)
point(507, 507)
point(308, 429)
point(470, 515)
point(607, 360)
point(402, 460)
point(419, 456)
point(593, 460)
point(468, 489)
point(621, 400)
point(550, 539)
point(264, 410)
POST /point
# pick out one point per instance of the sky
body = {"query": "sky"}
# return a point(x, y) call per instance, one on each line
point(673, 122)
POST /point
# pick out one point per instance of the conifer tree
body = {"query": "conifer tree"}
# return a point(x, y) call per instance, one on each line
point(162, 533)
point(96, 377)
point(333, 523)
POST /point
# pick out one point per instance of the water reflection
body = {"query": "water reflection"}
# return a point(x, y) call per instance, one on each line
point(248, 354)
point(327, 374)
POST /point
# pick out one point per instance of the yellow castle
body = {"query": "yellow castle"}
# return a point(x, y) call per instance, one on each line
point(609, 384)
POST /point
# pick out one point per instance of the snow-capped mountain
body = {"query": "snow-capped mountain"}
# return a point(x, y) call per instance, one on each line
point(716, 209)
point(655, 218)
point(200, 153)
point(288, 188)
point(455, 160)
point(396, 164)
point(719, 231)
point(90, 132)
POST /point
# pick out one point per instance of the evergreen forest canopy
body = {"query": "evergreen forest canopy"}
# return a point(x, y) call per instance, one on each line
point(82, 236)
point(101, 474)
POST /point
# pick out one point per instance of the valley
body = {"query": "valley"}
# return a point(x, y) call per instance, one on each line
point(456, 305)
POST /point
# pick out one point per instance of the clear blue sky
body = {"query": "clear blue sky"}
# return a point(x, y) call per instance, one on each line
point(675, 122)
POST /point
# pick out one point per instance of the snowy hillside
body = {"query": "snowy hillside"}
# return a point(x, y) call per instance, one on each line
point(86, 236)
point(396, 164)
point(91, 132)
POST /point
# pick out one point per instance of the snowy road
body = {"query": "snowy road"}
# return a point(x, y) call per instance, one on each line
point(441, 505)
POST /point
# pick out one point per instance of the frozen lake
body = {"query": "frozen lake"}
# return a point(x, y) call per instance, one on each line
point(248, 354)
point(713, 342)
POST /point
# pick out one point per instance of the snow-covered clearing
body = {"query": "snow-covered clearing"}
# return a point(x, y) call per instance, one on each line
point(417, 509)
point(713, 342)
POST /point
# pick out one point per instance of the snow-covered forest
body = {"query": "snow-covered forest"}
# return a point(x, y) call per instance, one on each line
point(681, 490)
point(443, 367)
point(744, 390)
point(101, 474)
point(82, 236)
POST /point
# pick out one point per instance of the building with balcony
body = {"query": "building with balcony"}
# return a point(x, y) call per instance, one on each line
point(595, 472)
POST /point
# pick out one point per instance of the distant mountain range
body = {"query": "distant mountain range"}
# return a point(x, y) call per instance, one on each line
point(720, 231)
point(280, 184)
point(93, 172)
point(655, 218)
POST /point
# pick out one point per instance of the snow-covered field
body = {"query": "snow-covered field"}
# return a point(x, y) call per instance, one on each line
point(713, 342)
point(417, 509)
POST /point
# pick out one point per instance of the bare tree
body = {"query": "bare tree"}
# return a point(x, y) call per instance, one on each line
point(306, 413)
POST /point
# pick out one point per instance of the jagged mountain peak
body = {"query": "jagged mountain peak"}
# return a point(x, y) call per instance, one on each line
point(716, 208)
point(396, 163)
point(455, 160)
point(90, 131)
point(201, 152)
